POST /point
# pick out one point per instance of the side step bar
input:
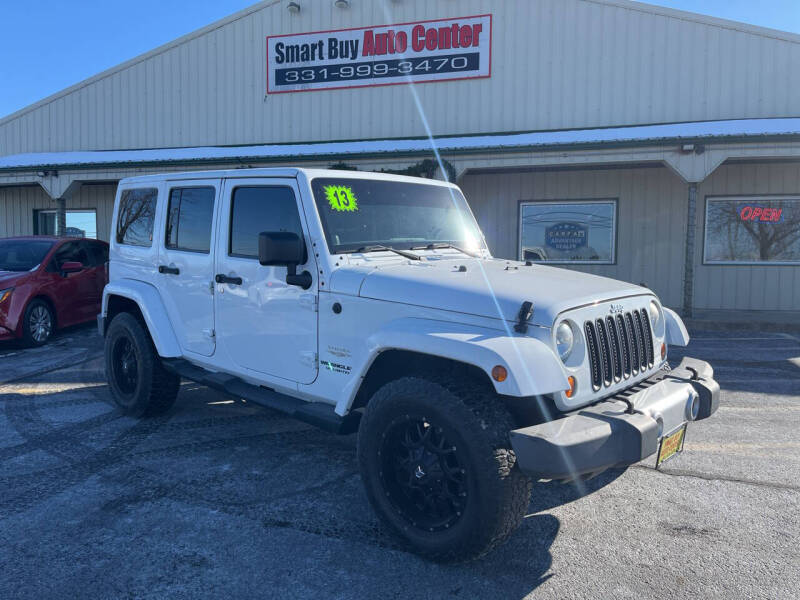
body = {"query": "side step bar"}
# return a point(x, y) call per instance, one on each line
point(315, 413)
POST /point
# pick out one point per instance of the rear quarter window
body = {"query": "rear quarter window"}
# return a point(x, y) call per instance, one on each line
point(136, 217)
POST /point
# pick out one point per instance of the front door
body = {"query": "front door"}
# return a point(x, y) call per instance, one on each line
point(75, 293)
point(186, 262)
point(264, 324)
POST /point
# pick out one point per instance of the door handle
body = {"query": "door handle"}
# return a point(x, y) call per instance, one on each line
point(220, 278)
point(169, 270)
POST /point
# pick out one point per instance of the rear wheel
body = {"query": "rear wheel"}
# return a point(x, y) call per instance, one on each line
point(139, 383)
point(438, 466)
point(38, 323)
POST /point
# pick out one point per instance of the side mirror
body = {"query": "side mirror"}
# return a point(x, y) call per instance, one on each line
point(280, 248)
point(284, 249)
point(71, 267)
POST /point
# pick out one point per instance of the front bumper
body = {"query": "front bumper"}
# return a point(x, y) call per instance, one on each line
point(621, 430)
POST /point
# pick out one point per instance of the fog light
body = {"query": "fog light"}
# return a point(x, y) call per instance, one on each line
point(499, 373)
point(572, 386)
point(693, 407)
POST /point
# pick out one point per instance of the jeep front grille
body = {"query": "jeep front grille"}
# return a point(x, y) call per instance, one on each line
point(619, 347)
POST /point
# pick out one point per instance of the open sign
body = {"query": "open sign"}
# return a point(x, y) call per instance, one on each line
point(761, 213)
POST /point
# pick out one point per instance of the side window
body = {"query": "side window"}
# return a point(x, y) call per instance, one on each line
point(189, 219)
point(257, 209)
point(137, 213)
point(98, 253)
point(70, 252)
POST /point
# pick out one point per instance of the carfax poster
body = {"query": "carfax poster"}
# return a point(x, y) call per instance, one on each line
point(423, 51)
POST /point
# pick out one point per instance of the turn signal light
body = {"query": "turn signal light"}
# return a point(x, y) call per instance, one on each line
point(663, 351)
point(571, 391)
point(499, 373)
point(5, 294)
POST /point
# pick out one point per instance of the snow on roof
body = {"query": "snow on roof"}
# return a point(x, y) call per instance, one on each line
point(675, 132)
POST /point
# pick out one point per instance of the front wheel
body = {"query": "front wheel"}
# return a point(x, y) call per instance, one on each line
point(139, 383)
point(438, 467)
point(38, 323)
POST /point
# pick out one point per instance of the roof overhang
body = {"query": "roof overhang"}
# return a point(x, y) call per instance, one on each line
point(705, 132)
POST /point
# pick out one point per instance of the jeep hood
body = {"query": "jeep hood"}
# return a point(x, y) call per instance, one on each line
point(488, 288)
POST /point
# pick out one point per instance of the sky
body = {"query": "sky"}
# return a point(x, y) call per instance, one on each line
point(48, 45)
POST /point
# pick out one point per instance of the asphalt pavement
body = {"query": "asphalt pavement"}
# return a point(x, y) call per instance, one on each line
point(220, 498)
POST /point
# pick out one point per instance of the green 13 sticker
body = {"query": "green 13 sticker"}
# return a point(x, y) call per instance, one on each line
point(341, 198)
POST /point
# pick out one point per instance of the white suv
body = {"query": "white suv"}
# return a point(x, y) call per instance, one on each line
point(370, 303)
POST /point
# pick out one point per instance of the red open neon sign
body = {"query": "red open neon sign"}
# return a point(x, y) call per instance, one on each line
point(761, 213)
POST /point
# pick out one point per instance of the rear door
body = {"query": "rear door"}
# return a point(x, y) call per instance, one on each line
point(264, 324)
point(186, 262)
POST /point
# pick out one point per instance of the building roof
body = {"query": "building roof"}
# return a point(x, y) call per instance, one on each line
point(752, 130)
point(641, 7)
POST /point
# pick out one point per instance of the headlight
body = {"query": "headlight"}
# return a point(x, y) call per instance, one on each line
point(657, 318)
point(5, 294)
point(565, 340)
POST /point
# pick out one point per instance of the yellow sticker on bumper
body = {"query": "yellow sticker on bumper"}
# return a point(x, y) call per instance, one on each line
point(671, 445)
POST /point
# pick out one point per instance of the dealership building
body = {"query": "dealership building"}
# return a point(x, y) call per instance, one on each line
point(608, 136)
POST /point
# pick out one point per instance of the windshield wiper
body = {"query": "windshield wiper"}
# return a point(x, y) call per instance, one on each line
point(443, 246)
point(378, 248)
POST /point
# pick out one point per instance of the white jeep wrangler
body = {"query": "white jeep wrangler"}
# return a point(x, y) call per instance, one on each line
point(370, 303)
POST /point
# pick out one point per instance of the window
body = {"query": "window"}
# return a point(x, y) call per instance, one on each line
point(364, 212)
point(137, 214)
point(189, 217)
point(23, 255)
point(70, 252)
point(80, 223)
point(569, 231)
point(98, 253)
point(257, 209)
point(754, 229)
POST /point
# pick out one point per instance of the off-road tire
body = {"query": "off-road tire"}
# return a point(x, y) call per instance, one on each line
point(153, 390)
point(477, 422)
point(34, 308)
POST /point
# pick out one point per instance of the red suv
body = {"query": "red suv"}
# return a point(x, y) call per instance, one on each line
point(48, 283)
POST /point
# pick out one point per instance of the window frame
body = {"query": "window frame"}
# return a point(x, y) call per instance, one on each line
point(167, 215)
point(230, 217)
point(558, 202)
point(741, 198)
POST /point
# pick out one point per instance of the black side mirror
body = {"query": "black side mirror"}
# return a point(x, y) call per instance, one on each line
point(284, 249)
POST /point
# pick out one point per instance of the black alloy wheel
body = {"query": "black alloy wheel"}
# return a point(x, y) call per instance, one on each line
point(421, 471)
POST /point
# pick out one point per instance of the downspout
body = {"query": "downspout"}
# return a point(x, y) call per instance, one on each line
point(688, 267)
point(61, 216)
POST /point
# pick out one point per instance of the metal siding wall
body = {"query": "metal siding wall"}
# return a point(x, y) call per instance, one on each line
point(16, 209)
point(757, 287)
point(18, 203)
point(651, 224)
point(556, 64)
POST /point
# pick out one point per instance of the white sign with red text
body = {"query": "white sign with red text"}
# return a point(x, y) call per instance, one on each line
point(420, 52)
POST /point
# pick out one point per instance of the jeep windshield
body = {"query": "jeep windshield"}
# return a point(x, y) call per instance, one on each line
point(365, 214)
point(22, 255)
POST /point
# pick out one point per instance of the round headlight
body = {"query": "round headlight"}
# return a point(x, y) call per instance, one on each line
point(565, 340)
point(657, 318)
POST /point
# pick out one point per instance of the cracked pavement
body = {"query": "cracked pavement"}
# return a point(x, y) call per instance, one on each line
point(220, 498)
